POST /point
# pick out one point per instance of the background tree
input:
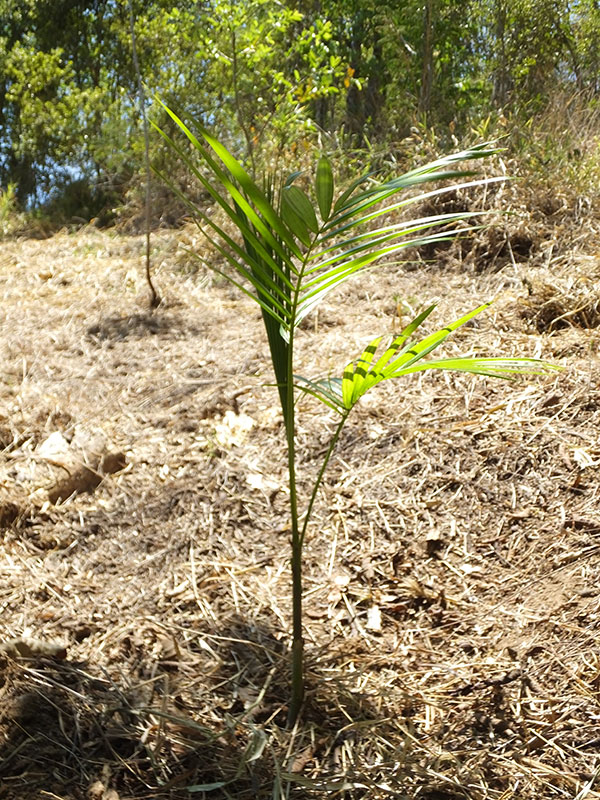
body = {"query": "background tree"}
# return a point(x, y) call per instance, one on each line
point(267, 75)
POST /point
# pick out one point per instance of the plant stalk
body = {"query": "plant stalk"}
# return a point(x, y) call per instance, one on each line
point(319, 477)
point(297, 694)
point(154, 296)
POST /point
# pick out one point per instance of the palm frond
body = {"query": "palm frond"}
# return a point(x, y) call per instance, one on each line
point(499, 367)
point(321, 287)
point(350, 204)
point(403, 357)
point(292, 261)
point(327, 390)
point(250, 198)
point(352, 220)
point(398, 234)
point(226, 245)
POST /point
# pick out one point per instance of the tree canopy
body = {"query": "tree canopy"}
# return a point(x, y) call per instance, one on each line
point(269, 76)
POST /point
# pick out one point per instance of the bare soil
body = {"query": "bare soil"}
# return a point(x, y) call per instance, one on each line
point(451, 572)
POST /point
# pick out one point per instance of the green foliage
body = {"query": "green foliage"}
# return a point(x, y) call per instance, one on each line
point(43, 86)
point(68, 90)
point(268, 65)
point(10, 218)
point(297, 246)
point(272, 76)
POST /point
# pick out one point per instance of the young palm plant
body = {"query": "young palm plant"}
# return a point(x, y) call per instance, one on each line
point(291, 253)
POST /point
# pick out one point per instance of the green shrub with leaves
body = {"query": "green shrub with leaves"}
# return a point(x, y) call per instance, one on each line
point(10, 217)
point(293, 251)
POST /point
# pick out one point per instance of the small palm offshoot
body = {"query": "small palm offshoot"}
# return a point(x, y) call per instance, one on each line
point(291, 253)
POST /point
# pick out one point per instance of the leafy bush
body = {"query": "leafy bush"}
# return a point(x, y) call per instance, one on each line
point(10, 218)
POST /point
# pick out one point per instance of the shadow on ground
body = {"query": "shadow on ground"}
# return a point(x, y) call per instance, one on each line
point(72, 731)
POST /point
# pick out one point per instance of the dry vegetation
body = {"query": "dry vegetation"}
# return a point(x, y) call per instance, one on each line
point(452, 604)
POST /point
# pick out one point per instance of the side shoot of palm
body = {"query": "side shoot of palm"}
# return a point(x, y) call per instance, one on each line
point(290, 254)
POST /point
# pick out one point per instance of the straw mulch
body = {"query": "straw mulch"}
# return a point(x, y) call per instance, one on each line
point(451, 573)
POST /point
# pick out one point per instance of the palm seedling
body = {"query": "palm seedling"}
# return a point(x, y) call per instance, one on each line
point(290, 253)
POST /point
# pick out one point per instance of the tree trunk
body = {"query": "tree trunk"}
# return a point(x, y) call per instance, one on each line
point(501, 78)
point(427, 66)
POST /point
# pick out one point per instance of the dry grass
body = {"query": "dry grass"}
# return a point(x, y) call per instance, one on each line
point(554, 304)
point(452, 611)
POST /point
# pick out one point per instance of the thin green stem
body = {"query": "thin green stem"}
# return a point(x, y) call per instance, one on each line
point(319, 477)
point(297, 693)
point(297, 544)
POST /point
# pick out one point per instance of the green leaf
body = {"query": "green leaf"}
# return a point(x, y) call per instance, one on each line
point(292, 177)
point(397, 344)
point(359, 374)
point(239, 219)
point(416, 352)
point(244, 259)
point(327, 390)
point(340, 203)
point(349, 220)
point(324, 187)
point(298, 200)
point(252, 190)
point(349, 205)
point(294, 221)
point(273, 222)
point(403, 358)
point(319, 287)
point(348, 386)
point(491, 367)
point(371, 239)
point(266, 307)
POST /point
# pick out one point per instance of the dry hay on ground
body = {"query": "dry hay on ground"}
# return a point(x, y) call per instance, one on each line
point(553, 303)
point(452, 612)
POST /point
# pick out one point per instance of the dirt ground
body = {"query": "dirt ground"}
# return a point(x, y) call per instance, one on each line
point(451, 571)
